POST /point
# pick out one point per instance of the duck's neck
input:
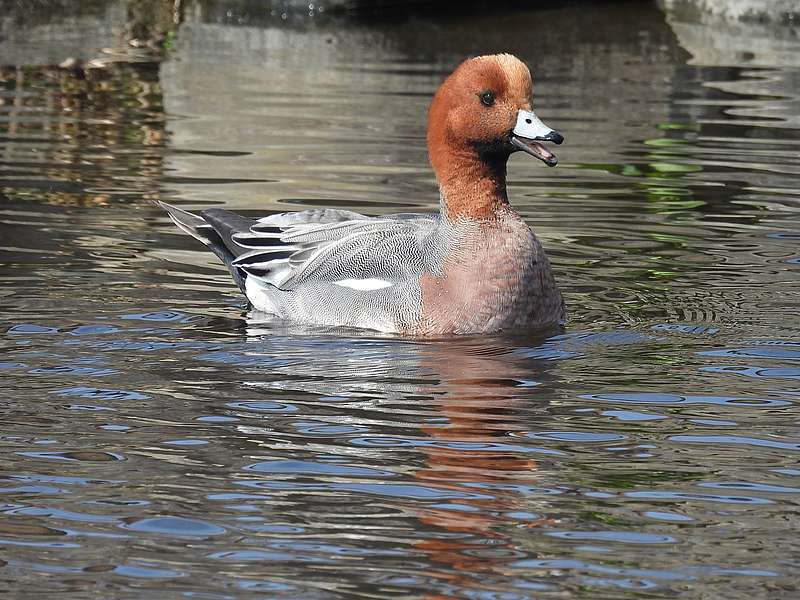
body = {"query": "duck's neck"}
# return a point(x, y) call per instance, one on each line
point(472, 182)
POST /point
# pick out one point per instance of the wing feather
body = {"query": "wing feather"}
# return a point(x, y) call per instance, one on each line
point(350, 249)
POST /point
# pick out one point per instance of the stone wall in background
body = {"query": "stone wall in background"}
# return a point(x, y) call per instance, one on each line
point(760, 11)
point(95, 32)
point(737, 32)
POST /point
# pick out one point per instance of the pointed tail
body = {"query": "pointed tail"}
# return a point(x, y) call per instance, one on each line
point(200, 229)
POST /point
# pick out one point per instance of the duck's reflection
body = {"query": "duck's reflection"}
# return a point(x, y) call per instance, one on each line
point(487, 398)
point(477, 398)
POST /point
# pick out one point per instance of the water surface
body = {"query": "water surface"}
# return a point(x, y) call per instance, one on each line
point(161, 442)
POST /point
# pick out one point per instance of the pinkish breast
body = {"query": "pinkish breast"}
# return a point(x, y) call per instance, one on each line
point(497, 277)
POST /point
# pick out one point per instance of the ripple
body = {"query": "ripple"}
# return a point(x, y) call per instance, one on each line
point(631, 415)
point(267, 556)
point(24, 529)
point(299, 467)
point(789, 472)
point(30, 328)
point(30, 544)
point(759, 372)
point(685, 328)
point(396, 490)
point(665, 495)
point(735, 440)
point(73, 370)
point(576, 436)
point(751, 486)
point(140, 572)
point(570, 564)
point(175, 526)
point(627, 584)
point(63, 479)
point(76, 455)
point(333, 549)
point(675, 399)
point(667, 516)
point(242, 359)
point(623, 537)
point(12, 365)
point(93, 330)
point(327, 429)
point(164, 316)
point(268, 407)
point(467, 446)
point(265, 586)
point(276, 528)
point(59, 514)
point(31, 489)
point(134, 345)
point(758, 352)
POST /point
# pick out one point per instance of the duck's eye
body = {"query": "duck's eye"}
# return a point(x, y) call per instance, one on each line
point(487, 98)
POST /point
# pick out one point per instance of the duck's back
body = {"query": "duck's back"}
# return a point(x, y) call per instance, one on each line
point(355, 271)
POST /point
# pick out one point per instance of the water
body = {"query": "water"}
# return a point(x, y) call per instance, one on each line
point(160, 442)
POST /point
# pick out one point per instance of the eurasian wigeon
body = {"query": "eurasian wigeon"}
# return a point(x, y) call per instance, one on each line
point(475, 267)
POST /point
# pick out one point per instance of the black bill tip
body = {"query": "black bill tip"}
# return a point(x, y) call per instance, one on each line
point(554, 137)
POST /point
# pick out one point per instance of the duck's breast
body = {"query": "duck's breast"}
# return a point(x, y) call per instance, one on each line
point(495, 277)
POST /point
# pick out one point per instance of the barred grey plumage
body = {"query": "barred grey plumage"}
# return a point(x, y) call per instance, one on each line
point(336, 267)
point(289, 264)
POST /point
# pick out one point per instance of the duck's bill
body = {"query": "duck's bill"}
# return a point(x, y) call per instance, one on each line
point(536, 149)
point(527, 134)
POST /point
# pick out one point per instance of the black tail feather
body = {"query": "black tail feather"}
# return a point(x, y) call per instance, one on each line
point(225, 224)
point(214, 227)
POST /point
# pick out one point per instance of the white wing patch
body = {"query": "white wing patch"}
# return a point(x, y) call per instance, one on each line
point(259, 296)
point(363, 285)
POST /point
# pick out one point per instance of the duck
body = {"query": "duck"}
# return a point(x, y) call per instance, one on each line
point(475, 267)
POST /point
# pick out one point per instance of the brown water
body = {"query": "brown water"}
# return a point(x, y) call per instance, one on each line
point(159, 442)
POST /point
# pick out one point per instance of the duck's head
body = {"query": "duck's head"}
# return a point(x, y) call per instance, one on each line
point(483, 112)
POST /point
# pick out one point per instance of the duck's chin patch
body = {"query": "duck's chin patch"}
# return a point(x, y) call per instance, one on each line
point(493, 153)
point(535, 149)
